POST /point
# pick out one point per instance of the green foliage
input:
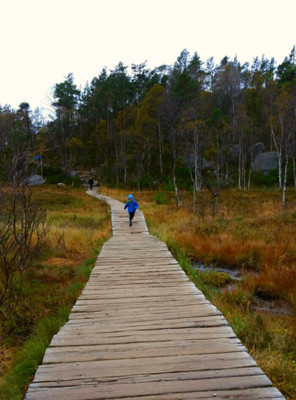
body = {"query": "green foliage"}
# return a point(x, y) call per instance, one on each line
point(183, 177)
point(160, 198)
point(252, 330)
point(62, 178)
point(130, 125)
point(74, 289)
point(84, 271)
point(287, 70)
point(50, 170)
point(147, 181)
point(169, 187)
point(269, 178)
point(66, 94)
point(216, 279)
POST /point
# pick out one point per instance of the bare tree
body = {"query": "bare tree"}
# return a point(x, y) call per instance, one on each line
point(23, 228)
point(170, 114)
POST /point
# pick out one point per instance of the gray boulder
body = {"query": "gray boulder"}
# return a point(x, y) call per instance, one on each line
point(73, 174)
point(265, 161)
point(189, 160)
point(35, 180)
point(258, 148)
point(61, 184)
point(234, 152)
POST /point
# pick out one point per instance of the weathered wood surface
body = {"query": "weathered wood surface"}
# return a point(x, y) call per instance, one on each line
point(142, 330)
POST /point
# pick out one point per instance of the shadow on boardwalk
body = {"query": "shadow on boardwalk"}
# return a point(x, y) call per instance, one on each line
point(142, 330)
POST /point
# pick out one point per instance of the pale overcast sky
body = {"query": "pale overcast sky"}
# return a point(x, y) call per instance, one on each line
point(44, 40)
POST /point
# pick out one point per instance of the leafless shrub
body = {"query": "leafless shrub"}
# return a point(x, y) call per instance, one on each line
point(23, 228)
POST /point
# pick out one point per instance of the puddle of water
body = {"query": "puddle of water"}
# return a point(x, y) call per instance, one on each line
point(272, 307)
point(235, 274)
point(228, 288)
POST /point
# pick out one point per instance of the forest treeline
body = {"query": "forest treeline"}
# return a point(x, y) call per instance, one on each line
point(190, 124)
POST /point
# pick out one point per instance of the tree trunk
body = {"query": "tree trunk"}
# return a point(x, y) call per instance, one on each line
point(160, 140)
point(116, 162)
point(285, 180)
point(279, 154)
point(226, 173)
point(175, 184)
point(250, 168)
point(125, 175)
point(193, 178)
point(149, 160)
point(239, 167)
point(244, 170)
point(197, 162)
point(294, 171)
point(249, 177)
point(280, 168)
point(217, 162)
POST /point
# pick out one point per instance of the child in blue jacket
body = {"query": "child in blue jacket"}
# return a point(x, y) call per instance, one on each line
point(131, 206)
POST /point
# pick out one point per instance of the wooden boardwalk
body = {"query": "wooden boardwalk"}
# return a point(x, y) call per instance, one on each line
point(142, 331)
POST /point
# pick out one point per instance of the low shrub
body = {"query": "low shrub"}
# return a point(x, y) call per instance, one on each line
point(160, 198)
point(217, 279)
point(269, 178)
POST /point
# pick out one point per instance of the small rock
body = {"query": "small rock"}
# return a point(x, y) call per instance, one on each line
point(35, 180)
point(60, 184)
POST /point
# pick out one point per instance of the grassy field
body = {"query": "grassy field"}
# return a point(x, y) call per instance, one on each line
point(79, 225)
point(248, 231)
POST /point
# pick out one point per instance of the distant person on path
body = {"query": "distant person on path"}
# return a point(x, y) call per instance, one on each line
point(131, 206)
point(91, 182)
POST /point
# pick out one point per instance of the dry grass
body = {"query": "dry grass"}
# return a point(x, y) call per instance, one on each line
point(256, 235)
point(250, 232)
point(79, 225)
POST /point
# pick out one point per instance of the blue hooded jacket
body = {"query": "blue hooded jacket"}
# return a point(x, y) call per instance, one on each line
point(132, 205)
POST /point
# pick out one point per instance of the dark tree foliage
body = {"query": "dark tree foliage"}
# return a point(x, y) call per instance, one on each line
point(138, 126)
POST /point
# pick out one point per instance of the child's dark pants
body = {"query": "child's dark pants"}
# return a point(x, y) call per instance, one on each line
point(131, 216)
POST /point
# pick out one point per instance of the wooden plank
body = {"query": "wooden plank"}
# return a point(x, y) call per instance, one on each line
point(109, 391)
point(201, 334)
point(189, 299)
point(243, 394)
point(142, 310)
point(142, 322)
point(147, 346)
point(139, 366)
point(96, 353)
point(165, 377)
point(118, 331)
